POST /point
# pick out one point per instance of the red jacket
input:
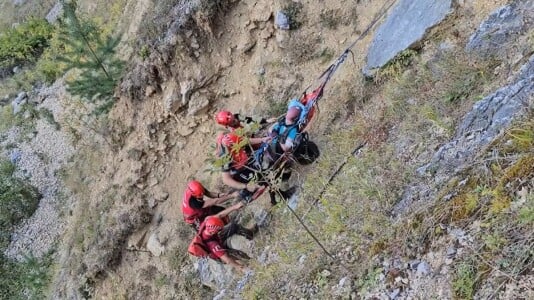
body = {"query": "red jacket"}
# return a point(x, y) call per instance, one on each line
point(192, 215)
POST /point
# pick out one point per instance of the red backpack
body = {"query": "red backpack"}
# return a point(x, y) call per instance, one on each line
point(198, 248)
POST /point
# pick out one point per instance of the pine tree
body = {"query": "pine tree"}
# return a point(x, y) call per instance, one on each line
point(87, 50)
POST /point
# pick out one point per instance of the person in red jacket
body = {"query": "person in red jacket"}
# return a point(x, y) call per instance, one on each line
point(196, 208)
point(210, 234)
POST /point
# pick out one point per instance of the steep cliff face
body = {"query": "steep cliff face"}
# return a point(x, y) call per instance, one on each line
point(424, 184)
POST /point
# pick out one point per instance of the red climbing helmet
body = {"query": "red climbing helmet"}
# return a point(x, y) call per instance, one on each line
point(214, 224)
point(196, 188)
point(224, 118)
point(293, 113)
point(226, 144)
point(230, 139)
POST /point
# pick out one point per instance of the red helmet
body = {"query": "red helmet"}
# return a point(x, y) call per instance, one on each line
point(293, 113)
point(226, 143)
point(214, 224)
point(230, 139)
point(196, 188)
point(224, 118)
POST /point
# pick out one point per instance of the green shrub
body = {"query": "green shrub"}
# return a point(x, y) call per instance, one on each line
point(293, 11)
point(18, 200)
point(464, 282)
point(25, 42)
point(28, 279)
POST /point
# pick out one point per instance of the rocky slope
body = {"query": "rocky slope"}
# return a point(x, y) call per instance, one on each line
point(394, 216)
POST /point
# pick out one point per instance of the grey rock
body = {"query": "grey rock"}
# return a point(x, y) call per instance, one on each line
point(54, 13)
point(423, 268)
point(213, 274)
point(171, 98)
point(18, 102)
point(480, 126)
point(407, 24)
point(262, 218)
point(154, 246)
point(412, 264)
point(281, 20)
point(451, 251)
point(394, 294)
point(502, 26)
point(197, 104)
point(15, 156)
point(16, 69)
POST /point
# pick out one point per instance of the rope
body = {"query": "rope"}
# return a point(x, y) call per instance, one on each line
point(329, 72)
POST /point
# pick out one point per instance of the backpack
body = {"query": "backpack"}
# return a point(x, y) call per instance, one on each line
point(198, 248)
point(307, 151)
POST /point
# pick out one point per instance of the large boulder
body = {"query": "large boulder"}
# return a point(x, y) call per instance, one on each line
point(503, 26)
point(486, 120)
point(54, 13)
point(488, 117)
point(214, 274)
point(407, 24)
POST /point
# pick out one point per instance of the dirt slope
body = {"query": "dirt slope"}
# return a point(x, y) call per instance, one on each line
point(235, 59)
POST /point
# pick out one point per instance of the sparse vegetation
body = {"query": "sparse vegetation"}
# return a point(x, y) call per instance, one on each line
point(464, 283)
point(24, 43)
point(293, 11)
point(18, 200)
point(330, 19)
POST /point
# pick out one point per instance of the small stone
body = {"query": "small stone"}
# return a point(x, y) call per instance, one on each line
point(152, 203)
point(412, 264)
point(448, 261)
point(423, 268)
point(281, 21)
point(393, 295)
point(154, 245)
point(150, 91)
point(326, 273)
point(451, 252)
point(162, 196)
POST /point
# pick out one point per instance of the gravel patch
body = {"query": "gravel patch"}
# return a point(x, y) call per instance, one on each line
point(39, 159)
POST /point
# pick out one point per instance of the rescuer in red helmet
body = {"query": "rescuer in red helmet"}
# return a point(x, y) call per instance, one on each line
point(210, 240)
point(196, 208)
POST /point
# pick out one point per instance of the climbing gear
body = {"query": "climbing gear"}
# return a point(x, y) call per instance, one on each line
point(196, 188)
point(306, 151)
point(224, 118)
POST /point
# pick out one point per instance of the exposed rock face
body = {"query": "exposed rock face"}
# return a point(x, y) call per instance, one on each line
point(503, 26)
point(54, 13)
point(214, 274)
point(406, 25)
point(485, 121)
point(488, 118)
